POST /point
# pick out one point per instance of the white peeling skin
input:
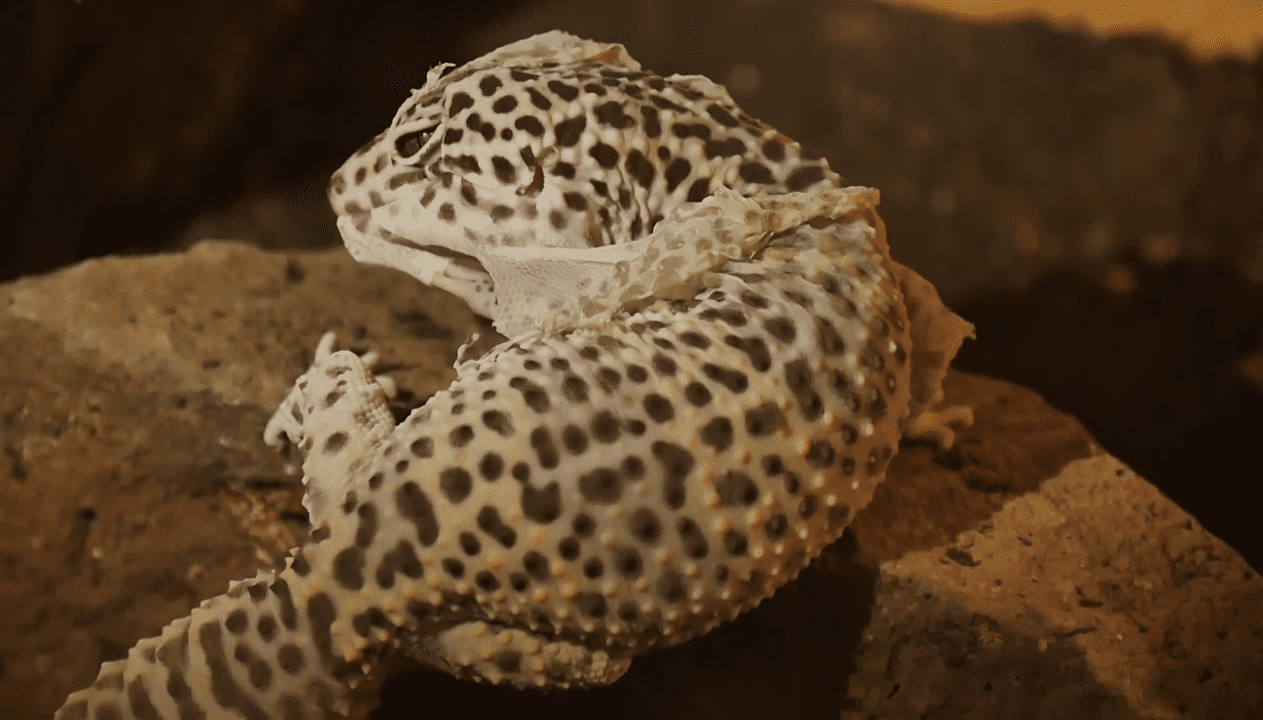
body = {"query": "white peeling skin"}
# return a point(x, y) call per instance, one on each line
point(713, 361)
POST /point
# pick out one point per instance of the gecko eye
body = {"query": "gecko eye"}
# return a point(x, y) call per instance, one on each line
point(410, 144)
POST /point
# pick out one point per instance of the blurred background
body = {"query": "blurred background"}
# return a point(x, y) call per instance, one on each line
point(1084, 183)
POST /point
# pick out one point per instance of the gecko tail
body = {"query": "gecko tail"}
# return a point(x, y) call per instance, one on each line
point(250, 653)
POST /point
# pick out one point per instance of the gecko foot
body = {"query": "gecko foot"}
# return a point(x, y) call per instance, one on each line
point(337, 416)
point(482, 651)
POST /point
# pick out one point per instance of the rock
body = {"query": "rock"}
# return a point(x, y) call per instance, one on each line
point(134, 482)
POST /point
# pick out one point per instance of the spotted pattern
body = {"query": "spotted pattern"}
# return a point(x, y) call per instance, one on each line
point(573, 499)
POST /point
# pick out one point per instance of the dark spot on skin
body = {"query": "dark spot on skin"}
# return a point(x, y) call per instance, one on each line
point(640, 168)
point(699, 190)
point(804, 177)
point(806, 507)
point(460, 436)
point(697, 394)
point(695, 340)
point(658, 408)
point(819, 454)
point(755, 348)
point(676, 172)
point(569, 548)
point(735, 543)
point(467, 193)
point(535, 565)
point(557, 219)
point(534, 395)
point(593, 568)
point(562, 90)
point(489, 522)
point(645, 525)
point(830, 341)
point(486, 581)
point(723, 148)
point(717, 433)
point(735, 380)
point(574, 440)
point(600, 188)
point(267, 623)
point(335, 442)
point(290, 658)
point(491, 466)
point(774, 150)
point(460, 101)
point(605, 427)
point(453, 567)
point(564, 169)
point(798, 378)
point(764, 419)
point(663, 365)
point(666, 104)
point(755, 172)
point(468, 163)
point(721, 116)
point(299, 563)
point(627, 562)
point(695, 545)
point(236, 622)
point(469, 543)
point(569, 131)
point(605, 155)
point(423, 447)
point(367, 529)
point(602, 485)
point(538, 99)
point(504, 104)
point(583, 525)
point(348, 568)
point(489, 84)
point(671, 586)
point(499, 422)
point(521, 472)
point(400, 559)
point(781, 328)
point(530, 124)
point(416, 507)
point(447, 212)
point(505, 171)
point(545, 448)
point(651, 125)
point(542, 506)
point(453, 136)
point(611, 113)
point(685, 130)
point(575, 201)
point(591, 604)
point(736, 488)
point(455, 483)
point(677, 463)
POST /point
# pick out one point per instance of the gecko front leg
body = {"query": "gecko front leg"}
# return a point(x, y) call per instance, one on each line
point(337, 416)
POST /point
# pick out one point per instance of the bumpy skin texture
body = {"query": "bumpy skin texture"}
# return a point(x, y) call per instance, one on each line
point(625, 477)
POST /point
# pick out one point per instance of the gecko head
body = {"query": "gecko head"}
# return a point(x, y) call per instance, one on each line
point(557, 142)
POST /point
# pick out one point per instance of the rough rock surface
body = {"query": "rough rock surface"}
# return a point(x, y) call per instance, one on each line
point(1025, 573)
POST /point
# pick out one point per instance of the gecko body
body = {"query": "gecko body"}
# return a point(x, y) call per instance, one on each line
point(712, 361)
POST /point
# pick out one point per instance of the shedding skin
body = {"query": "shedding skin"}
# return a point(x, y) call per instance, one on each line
point(712, 361)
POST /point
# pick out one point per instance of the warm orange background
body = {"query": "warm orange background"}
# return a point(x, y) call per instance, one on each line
point(1208, 29)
